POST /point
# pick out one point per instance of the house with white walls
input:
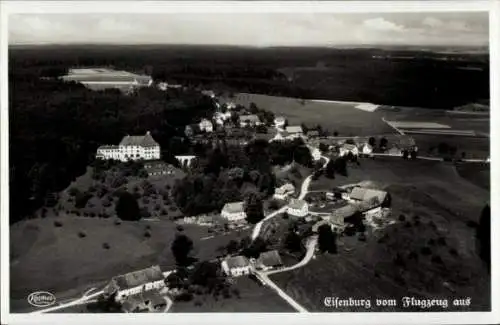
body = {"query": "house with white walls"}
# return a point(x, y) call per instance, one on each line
point(135, 282)
point(298, 208)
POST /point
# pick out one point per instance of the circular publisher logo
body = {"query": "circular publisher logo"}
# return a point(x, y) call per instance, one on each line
point(41, 299)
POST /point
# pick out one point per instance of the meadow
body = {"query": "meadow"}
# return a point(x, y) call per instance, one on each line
point(430, 250)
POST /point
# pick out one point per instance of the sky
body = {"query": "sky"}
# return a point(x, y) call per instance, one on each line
point(253, 29)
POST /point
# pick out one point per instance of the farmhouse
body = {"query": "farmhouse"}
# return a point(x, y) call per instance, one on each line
point(281, 193)
point(298, 208)
point(268, 260)
point(131, 148)
point(236, 266)
point(135, 282)
point(369, 197)
point(234, 211)
point(336, 219)
point(105, 78)
point(280, 136)
point(148, 301)
point(158, 168)
point(294, 131)
point(249, 120)
point(206, 125)
point(348, 148)
point(279, 121)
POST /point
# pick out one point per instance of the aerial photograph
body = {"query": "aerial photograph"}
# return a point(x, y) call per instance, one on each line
point(249, 162)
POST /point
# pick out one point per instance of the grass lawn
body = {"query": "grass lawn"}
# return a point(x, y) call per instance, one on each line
point(55, 259)
point(252, 298)
point(343, 118)
point(443, 202)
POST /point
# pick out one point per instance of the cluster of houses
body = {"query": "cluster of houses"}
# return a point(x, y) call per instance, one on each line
point(236, 266)
point(139, 291)
point(368, 202)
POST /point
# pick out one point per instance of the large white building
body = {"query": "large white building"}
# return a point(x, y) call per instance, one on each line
point(105, 78)
point(135, 282)
point(131, 148)
point(234, 211)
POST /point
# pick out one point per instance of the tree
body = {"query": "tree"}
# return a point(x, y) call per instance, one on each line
point(253, 108)
point(372, 141)
point(405, 154)
point(232, 247)
point(413, 155)
point(327, 239)
point(483, 233)
point(205, 274)
point(254, 208)
point(340, 165)
point(181, 247)
point(330, 169)
point(323, 147)
point(383, 143)
point(293, 242)
point(127, 207)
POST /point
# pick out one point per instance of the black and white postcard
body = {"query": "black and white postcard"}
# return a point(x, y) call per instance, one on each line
point(212, 162)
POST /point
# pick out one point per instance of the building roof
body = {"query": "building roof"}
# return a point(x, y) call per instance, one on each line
point(349, 147)
point(249, 118)
point(405, 141)
point(237, 261)
point(279, 119)
point(137, 278)
point(234, 207)
point(107, 147)
point(342, 212)
point(294, 129)
point(313, 133)
point(270, 258)
point(297, 204)
point(205, 121)
point(288, 187)
point(366, 194)
point(139, 140)
point(103, 74)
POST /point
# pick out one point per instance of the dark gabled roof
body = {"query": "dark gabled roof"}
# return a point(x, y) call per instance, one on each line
point(237, 261)
point(137, 278)
point(270, 258)
point(139, 140)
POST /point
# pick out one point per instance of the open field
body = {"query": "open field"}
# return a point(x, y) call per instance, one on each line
point(252, 298)
point(56, 259)
point(341, 117)
point(437, 203)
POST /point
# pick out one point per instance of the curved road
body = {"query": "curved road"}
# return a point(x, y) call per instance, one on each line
point(263, 276)
point(304, 189)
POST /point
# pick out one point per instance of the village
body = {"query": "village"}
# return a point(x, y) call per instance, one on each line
point(315, 217)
